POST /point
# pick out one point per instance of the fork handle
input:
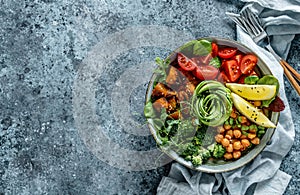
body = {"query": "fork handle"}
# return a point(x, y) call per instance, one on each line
point(289, 76)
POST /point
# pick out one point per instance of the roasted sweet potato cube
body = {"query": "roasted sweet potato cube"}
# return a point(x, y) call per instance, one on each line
point(160, 103)
point(160, 90)
point(190, 88)
point(182, 96)
point(172, 77)
point(175, 115)
point(172, 104)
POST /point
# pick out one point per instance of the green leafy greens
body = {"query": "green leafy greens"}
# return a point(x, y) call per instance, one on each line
point(161, 69)
point(269, 80)
point(200, 47)
point(251, 80)
point(215, 62)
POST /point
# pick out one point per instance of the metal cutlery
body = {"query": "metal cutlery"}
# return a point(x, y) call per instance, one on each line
point(250, 23)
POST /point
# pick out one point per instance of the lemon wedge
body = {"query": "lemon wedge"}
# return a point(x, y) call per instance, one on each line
point(253, 92)
point(251, 112)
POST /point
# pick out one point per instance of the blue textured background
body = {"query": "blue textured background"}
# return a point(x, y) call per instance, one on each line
point(42, 43)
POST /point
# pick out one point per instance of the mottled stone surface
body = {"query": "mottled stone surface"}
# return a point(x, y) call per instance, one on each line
point(43, 44)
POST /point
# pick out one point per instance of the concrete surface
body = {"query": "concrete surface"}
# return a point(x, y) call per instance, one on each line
point(43, 47)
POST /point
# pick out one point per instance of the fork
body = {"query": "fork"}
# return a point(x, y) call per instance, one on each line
point(250, 23)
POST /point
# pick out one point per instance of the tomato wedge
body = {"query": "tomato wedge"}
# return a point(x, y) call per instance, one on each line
point(242, 79)
point(222, 77)
point(206, 72)
point(227, 52)
point(248, 63)
point(214, 49)
point(238, 58)
point(185, 63)
point(202, 60)
point(232, 70)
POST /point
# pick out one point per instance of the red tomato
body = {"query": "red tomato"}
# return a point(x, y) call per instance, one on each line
point(253, 73)
point(214, 49)
point(202, 60)
point(223, 77)
point(185, 63)
point(242, 79)
point(248, 63)
point(206, 72)
point(227, 52)
point(232, 70)
point(238, 58)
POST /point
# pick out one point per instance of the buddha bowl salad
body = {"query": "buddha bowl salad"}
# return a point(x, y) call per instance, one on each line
point(209, 102)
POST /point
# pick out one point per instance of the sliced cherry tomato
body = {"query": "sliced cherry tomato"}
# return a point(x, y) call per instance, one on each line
point(232, 70)
point(214, 49)
point(202, 60)
point(242, 79)
point(238, 58)
point(206, 72)
point(185, 63)
point(248, 63)
point(227, 52)
point(253, 73)
point(222, 77)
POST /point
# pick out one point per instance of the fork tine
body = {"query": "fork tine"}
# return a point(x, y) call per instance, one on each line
point(237, 20)
point(249, 27)
point(255, 20)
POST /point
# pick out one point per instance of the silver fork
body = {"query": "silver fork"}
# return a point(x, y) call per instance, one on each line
point(250, 23)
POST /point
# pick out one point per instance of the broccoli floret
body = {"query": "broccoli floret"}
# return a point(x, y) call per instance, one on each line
point(211, 147)
point(219, 151)
point(197, 160)
point(190, 149)
point(205, 154)
point(202, 156)
point(188, 158)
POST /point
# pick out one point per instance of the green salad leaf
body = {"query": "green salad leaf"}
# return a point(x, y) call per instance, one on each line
point(202, 47)
point(215, 62)
point(251, 80)
point(161, 69)
point(269, 80)
point(188, 48)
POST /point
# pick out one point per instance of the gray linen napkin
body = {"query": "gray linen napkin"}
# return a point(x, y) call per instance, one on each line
point(262, 175)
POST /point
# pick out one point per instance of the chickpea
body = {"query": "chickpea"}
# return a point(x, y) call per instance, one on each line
point(255, 141)
point(257, 103)
point(237, 133)
point(230, 133)
point(237, 145)
point(243, 136)
point(242, 148)
point(251, 135)
point(225, 142)
point(233, 114)
point(244, 120)
point(245, 143)
point(229, 148)
point(228, 137)
point(228, 156)
point(219, 138)
point(221, 129)
point(227, 127)
point(237, 154)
